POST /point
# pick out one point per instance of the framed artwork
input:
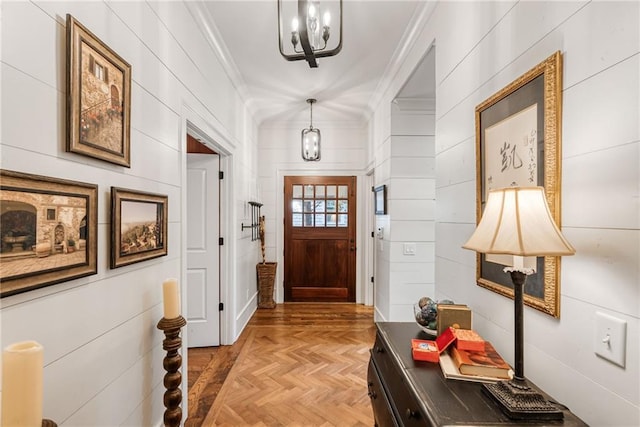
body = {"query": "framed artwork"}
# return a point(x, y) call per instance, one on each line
point(98, 97)
point(518, 144)
point(48, 231)
point(138, 226)
point(380, 200)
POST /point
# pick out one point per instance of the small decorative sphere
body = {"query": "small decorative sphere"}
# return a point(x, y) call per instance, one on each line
point(426, 311)
point(423, 301)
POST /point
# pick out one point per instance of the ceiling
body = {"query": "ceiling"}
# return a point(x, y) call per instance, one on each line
point(376, 36)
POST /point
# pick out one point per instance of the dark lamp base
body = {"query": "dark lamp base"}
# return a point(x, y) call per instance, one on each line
point(521, 402)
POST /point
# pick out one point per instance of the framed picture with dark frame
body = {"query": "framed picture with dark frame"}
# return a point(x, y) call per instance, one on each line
point(518, 143)
point(380, 200)
point(48, 231)
point(138, 226)
point(98, 98)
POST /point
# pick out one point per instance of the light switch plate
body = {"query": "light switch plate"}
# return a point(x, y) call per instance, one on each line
point(610, 340)
point(409, 249)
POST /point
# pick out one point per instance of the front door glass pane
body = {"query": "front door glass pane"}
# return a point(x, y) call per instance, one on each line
point(331, 205)
point(331, 192)
point(297, 220)
point(308, 220)
point(319, 191)
point(343, 192)
point(308, 191)
point(343, 220)
point(331, 220)
point(319, 220)
point(308, 205)
point(297, 191)
point(296, 205)
point(342, 205)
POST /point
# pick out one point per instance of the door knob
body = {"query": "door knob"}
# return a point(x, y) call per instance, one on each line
point(412, 414)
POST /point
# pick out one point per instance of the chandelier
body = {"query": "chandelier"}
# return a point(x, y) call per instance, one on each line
point(311, 138)
point(310, 32)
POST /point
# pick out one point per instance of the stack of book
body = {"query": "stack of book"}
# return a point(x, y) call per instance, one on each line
point(473, 359)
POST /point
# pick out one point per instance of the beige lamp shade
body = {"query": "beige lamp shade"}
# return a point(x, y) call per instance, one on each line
point(517, 221)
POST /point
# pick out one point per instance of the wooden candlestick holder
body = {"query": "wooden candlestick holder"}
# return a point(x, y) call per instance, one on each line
point(172, 364)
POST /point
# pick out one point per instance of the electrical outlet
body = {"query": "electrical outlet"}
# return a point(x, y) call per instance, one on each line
point(610, 340)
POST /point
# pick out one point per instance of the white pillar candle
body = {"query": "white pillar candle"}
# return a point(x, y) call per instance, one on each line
point(22, 365)
point(171, 298)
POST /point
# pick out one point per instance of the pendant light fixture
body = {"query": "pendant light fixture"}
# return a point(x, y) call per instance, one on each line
point(311, 138)
point(310, 29)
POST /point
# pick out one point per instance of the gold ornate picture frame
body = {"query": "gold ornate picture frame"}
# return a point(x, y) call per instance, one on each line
point(518, 143)
point(98, 98)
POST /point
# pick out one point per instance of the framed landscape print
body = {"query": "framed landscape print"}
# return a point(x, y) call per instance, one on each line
point(518, 144)
point(138, 226)
point(98, 97)
point(48, 231)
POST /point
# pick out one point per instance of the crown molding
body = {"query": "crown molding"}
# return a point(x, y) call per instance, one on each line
point(205, 22)
point(409, 39)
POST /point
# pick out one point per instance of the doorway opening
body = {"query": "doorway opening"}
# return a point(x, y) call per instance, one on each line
point(203, 247)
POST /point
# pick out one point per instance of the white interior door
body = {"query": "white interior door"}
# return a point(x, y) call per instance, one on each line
point(203, 250)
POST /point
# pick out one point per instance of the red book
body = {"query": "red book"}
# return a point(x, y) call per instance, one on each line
point(487, 363)
point(468, 339)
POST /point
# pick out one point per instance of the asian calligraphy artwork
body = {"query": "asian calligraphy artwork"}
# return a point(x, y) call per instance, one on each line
point(518, 144)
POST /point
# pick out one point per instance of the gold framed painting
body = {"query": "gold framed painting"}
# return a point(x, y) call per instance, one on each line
point(48, 231)
point(138, 226)
point(98, 98)
point(518, 143)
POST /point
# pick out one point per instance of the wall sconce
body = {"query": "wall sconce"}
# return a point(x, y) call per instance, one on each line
point(311, 138)
point(309, 36)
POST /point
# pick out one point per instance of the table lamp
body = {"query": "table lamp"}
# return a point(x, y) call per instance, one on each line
point(517, 221)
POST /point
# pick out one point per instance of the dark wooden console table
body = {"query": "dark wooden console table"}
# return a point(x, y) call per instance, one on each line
point(405, 392)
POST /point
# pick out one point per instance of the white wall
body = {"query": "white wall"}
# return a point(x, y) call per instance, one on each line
point(481, 48)
point(407, 168)
point(102, 350)
point(343, 153)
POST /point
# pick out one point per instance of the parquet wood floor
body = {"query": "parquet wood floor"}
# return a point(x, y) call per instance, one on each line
point(299, 364)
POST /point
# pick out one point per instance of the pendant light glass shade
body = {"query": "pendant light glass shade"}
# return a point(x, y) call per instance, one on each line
point(310, 139)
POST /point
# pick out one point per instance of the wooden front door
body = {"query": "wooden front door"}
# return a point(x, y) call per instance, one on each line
point(320, 238)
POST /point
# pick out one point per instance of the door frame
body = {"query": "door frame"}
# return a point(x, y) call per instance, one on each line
point(368, 218)
point(199, 128)
point(279, 246)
